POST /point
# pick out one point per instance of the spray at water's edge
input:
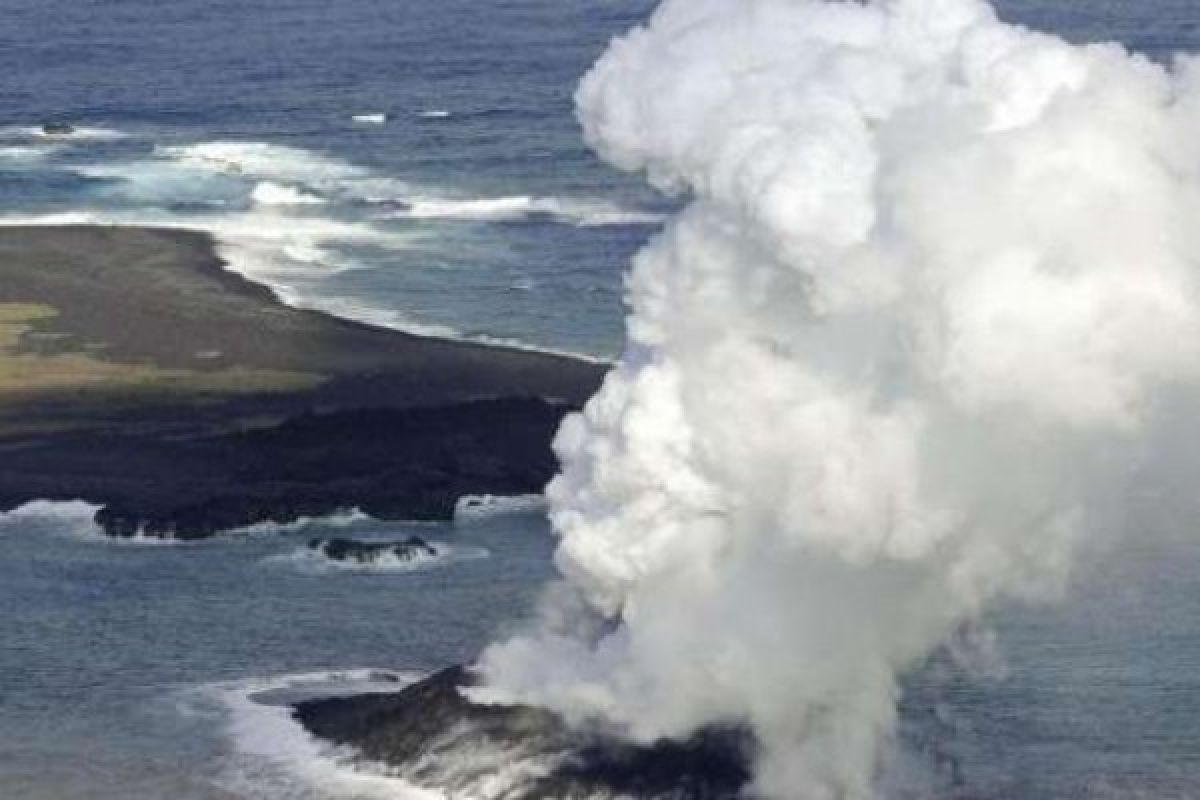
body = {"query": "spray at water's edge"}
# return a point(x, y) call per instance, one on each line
point(935, 275)
point(274, 757)
point(279, 216)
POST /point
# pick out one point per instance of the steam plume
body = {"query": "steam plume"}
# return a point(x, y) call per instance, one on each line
point(934, 271)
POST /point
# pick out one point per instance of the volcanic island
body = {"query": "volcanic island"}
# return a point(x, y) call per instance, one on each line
point(139, 374)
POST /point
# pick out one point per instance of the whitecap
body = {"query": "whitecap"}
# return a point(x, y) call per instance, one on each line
point(338, 519)
point(265, 205)
point(373, 118)
point(335, 520)
point(275, 757)
point(26, 153)
point(57, 218)
point(272, 755)
point(289, 255)
point(261, 159)
point(268, 193)
point(581, 213)
point(434, 113)
point(74, 517)
point(473, 507)
point(85, 133)
point(313, 561)
point(265, 244)
point(163, 183)
point(82, 133)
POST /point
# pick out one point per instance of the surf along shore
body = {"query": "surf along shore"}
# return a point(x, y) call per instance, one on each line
point(140, 375)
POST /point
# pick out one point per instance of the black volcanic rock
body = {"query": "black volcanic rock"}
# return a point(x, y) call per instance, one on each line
point(392, 463)
point(57, 129)
point(352, 550)
point(432, 736)
point(185, 400)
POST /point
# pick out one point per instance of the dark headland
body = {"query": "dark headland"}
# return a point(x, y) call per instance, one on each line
point(140, 375)
point(432, 735)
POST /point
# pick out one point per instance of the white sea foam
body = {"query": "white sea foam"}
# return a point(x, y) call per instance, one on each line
point(274, 758)
point(338, 519)
point(282, 239)
point(265, 244)
point(143, 539)
point(157, 184)
point(56, 218)
point(263, 160)
point(434, 113)
point(374, 118)
point(279, 216)
point(583, 213)
point(288, 254)
point(480, 506)
point(267, 193)
point(82, 133)
point(311, 561)
point(73, 517)
point(26, 153)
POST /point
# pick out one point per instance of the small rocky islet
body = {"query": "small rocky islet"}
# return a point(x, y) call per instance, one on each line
point(432, 734)
point(354, 551)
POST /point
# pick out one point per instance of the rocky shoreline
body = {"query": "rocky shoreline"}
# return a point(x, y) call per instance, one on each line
point(140, 375)
point(432, 735)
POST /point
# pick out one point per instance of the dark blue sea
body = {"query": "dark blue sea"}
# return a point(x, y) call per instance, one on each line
point(416, 164)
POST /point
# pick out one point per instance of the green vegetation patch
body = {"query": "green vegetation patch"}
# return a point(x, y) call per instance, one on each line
point(28, 373)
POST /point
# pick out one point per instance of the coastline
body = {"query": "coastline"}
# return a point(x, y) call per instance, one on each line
point(141, 374)
point(434, 732)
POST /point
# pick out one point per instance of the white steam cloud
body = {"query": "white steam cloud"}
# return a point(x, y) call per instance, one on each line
point(934, 275)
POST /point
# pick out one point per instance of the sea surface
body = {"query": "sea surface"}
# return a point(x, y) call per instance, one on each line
point(416, 164)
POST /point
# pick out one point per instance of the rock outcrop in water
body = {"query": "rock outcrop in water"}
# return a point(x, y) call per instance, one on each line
point(354, 551)
point(432, 736)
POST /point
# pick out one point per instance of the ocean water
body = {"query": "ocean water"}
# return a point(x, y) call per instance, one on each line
point(127, 668)
point(416, 164)
point(412, 164)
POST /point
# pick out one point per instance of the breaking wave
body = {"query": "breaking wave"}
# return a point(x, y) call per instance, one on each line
point(523, 207)
point(264, 160)
point(25, 153)
point(274, 194)
point(292, 218)
point(83, 133)
point(310, 560)
point(273, 757)
point(73, 517)
point(76, 518)
point(470, 508)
